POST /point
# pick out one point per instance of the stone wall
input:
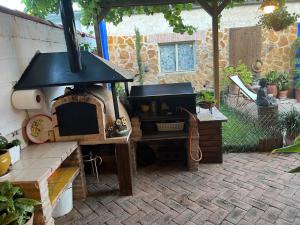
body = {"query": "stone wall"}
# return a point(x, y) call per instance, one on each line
point(277, 54)
point(122, 52)
point(277, 49)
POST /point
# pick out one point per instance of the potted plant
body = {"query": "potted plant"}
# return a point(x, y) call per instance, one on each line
point(293, 148)
point(206, 100)
point(242, 71)
point(283, 85)
point(297, 90)
point(289, 123)
point(12, 147)
point(278, 20)
point(15, 209)
point(272, 78)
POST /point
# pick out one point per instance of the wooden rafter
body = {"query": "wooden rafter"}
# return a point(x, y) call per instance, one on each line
point(208, 8)
point(222, 6)
point(99, 18)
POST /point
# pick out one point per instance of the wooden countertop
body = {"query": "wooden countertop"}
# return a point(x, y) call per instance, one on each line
point(113, 140)
point(205, 116)
point(39, 161)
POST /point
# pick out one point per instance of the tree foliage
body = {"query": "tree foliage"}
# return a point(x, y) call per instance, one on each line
point(91, 8)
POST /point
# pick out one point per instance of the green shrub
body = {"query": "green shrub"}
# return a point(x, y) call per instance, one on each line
point(4, 144)
point(283, 81)
point(272, 77)
point(14, 209)
point(138, 52)
point(278, 20)
point(206, 96)
point(241, 70)
point(296, 44)
point(297, 84)
point(289, 122)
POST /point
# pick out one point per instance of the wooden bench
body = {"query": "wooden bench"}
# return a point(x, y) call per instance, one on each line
point(44, 172)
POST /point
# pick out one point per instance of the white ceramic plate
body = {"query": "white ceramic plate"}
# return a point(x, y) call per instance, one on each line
point(38, 127)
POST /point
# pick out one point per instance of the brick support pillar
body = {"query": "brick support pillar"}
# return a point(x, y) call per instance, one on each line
point(79, 184)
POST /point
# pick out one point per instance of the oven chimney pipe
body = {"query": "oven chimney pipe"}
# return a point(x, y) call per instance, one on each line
point(67, 18)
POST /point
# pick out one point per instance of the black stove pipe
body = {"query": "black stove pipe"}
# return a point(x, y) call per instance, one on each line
point(67, 18)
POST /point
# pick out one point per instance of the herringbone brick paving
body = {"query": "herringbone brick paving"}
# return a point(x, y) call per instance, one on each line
point(248, 188)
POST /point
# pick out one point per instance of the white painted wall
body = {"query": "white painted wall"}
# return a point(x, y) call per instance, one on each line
point(240, 16)
point(19, 40)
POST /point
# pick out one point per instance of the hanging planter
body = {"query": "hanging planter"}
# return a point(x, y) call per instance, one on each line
point(278, 20)
point(268, 6)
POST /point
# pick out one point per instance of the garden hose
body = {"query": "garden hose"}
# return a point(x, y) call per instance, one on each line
point(190, 138)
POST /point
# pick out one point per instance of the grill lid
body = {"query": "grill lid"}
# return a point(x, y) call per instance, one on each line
point(52, 69)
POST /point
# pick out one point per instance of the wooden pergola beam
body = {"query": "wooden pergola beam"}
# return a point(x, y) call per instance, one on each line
point(98, 19)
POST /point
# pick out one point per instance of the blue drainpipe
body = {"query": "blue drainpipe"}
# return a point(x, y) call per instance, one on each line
point(298, 35)
point(104, 42)
point(297, 58)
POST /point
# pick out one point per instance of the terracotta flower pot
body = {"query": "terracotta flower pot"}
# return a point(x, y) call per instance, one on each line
point(4, 162)
point(277, 26)
point(206, 105)
point(272, 89)
point(283, 94)
point(298, 95)
point(289, 139)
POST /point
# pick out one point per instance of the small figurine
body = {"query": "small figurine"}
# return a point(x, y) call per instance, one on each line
point(263, 99)
point(121, 127)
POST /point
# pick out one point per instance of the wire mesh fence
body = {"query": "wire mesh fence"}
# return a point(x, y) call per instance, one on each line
point(252, 128)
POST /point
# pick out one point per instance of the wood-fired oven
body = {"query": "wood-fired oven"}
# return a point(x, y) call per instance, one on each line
point(85, 115)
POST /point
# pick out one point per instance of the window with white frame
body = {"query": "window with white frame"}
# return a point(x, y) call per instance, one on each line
point(177, 57)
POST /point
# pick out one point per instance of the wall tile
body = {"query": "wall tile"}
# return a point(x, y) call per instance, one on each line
point(19, 41)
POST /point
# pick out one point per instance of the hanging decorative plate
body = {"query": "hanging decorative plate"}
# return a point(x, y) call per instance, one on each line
point(38, 127)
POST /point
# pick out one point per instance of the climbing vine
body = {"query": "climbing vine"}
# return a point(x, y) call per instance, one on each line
point(91, 8)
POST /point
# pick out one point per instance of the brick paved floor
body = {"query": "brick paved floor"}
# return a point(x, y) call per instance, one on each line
point(248, 188)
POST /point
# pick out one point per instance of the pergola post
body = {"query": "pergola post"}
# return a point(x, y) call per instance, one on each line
point(97, 20)
point(98, 39)
point(214, 10)
point(216, 56)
